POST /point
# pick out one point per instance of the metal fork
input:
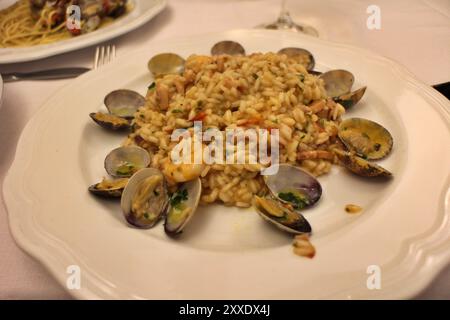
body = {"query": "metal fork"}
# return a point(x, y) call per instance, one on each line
point(104, 55)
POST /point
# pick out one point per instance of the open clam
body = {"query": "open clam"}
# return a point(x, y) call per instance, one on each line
point(123, 162)
point(109, 121)
point(295, 186)
point(281, 215)
point(337, 82)
point(145, 198)
point(124, 103)
point(366, 138)
point(301, 55)
point(166, 63)
point(360, 166)
point(109, 188)
point(231, 48)
point(348, 100)
point(183, 205)
point(338, 85)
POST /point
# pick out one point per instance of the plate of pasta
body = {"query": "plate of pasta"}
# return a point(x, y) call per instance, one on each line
point(36, 29)
point(358, 190)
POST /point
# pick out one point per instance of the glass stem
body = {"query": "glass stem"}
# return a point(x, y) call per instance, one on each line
point(285, 18)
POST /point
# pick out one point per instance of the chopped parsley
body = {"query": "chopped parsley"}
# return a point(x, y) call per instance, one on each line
point(126, 168)
point(297, 200)
point(177, 111)
point(152, 86)
point(301, 77)
point(178, 197)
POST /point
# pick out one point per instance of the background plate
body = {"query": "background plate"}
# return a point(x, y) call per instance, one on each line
point(227, 252)
point(143, 11)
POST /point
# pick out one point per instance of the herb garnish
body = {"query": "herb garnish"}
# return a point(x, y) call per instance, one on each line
point(298, 201)
point(125, 169)
point(178, 197)
point(152, 86)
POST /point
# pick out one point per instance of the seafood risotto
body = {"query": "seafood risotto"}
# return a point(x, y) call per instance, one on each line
point(231, 97)
point(226, 92)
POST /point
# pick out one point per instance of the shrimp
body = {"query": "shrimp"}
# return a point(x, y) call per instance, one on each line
point(162, 92)
point(315, 154)
point(184, 171)
point(176, 173)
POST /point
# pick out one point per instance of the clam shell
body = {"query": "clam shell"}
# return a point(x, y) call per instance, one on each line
point(348, 100)
point(302, 55)
point(366, 138)
point(123, 162)
point(231, 48)
point(178, 217)
point(124, 103)
point(157, 201)
point(360, 166)
point(281, 216)
point(113, 189)
point(294, 185)
point(110, 122)
point(166, 63)
point(337, 82)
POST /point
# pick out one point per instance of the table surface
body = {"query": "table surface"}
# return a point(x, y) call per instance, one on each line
point(414, 33)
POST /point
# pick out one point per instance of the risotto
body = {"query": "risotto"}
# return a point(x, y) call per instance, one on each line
point(267, 91)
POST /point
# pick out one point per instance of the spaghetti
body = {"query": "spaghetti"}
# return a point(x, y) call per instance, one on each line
point(22, 26)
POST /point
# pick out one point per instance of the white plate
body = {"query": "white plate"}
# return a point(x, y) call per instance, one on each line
point(143, 11)
point(1, 90)
point(227, 252)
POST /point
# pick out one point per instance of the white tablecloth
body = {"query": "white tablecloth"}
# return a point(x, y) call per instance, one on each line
point(415, 33)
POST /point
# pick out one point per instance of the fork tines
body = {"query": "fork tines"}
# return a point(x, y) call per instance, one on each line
point(104, 55)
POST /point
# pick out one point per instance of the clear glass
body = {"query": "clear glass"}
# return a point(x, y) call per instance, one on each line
point(285, 22)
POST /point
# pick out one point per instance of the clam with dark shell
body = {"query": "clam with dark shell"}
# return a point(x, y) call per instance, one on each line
point(109, 188)
point(110, 121)
point(291, 189)
point(122, 104)
point(281, 215)
point(360, 166)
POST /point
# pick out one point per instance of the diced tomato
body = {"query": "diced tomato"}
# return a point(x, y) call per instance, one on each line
point(106, 6)
point(75, 31)
point(254, 120)
point(200, 116)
